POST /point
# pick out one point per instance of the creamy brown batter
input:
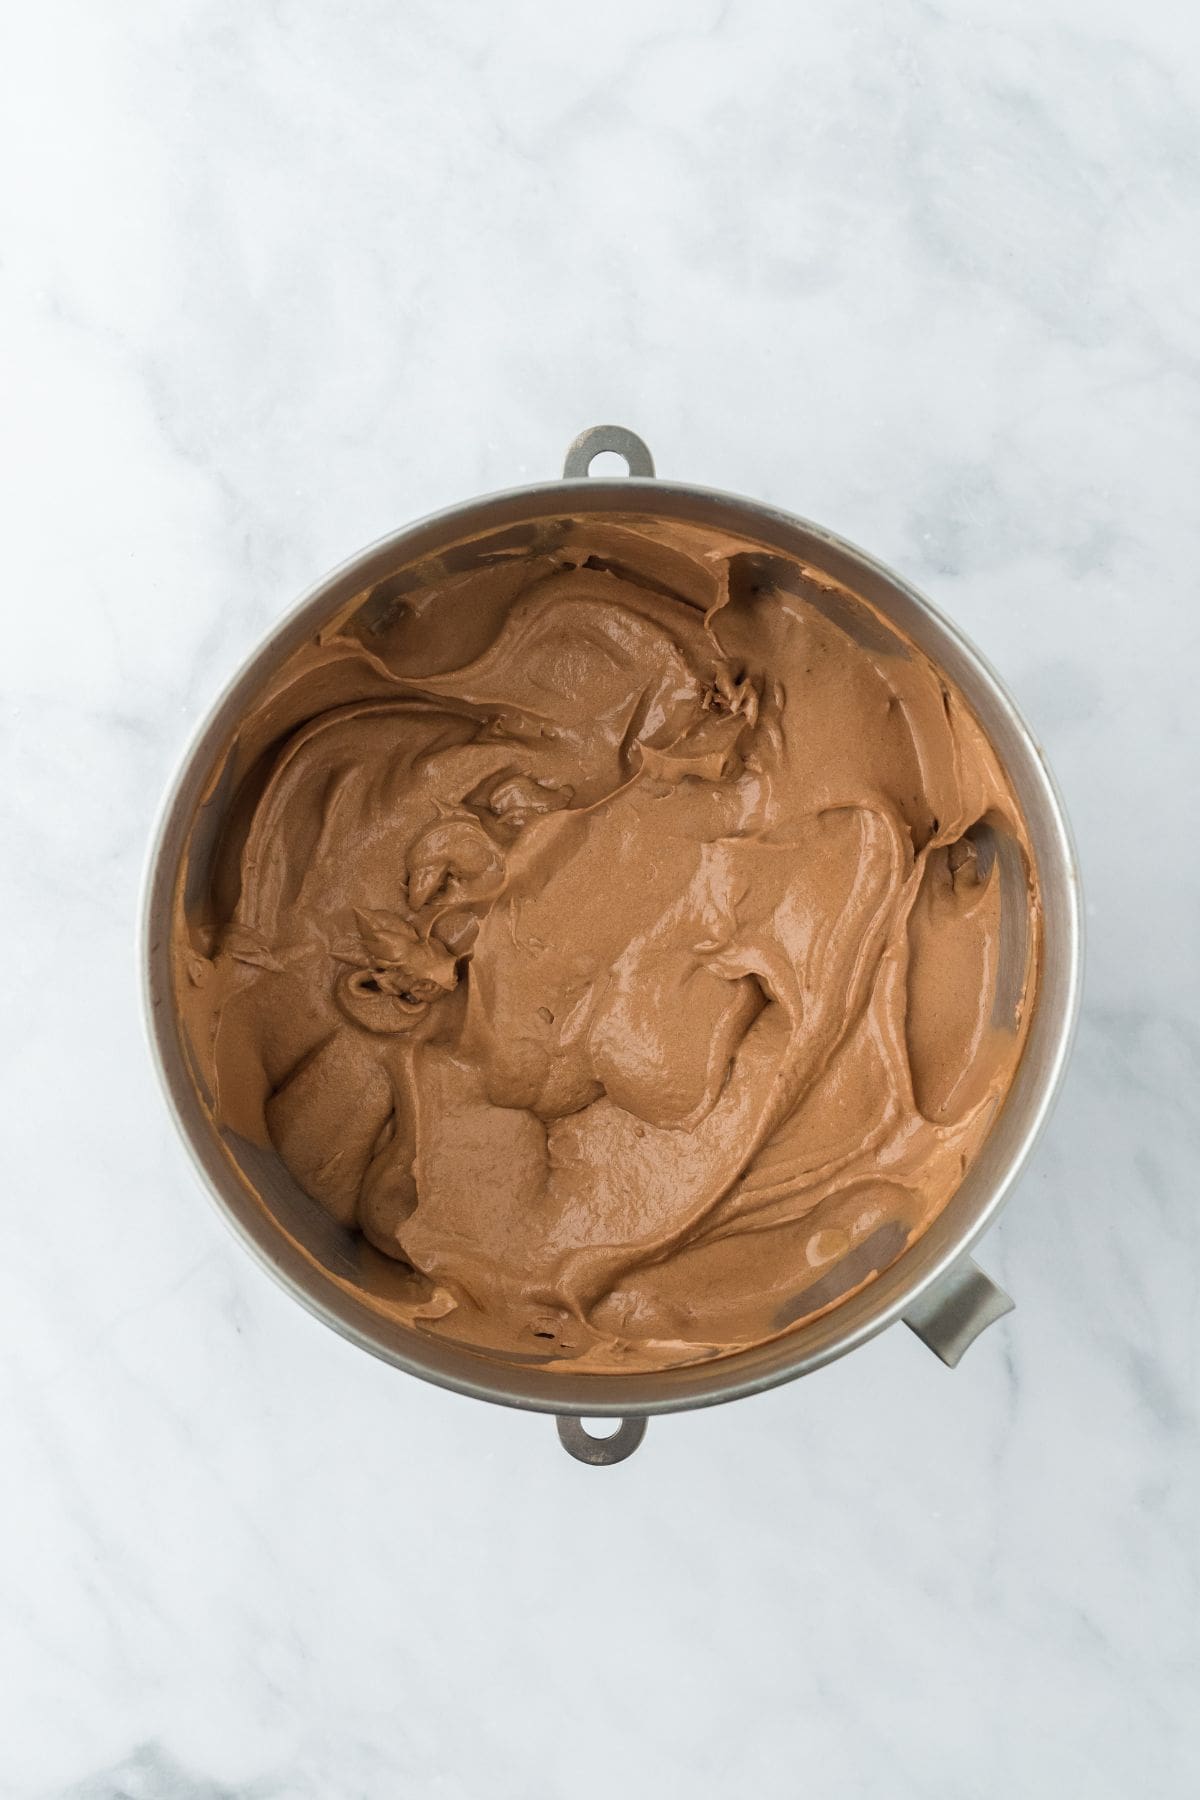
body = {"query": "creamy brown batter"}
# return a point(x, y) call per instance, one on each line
point(607, 926)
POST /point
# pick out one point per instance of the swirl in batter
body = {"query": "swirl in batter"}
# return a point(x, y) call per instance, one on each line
point(608, 928)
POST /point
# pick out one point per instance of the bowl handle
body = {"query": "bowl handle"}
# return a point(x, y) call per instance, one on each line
point(597, 438)
point(600, 1451)
point(950, 1315)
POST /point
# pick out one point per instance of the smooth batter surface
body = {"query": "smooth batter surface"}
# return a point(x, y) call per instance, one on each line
point(607, 927)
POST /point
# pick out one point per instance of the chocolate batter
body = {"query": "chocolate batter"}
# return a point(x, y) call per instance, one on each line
point(607, 927)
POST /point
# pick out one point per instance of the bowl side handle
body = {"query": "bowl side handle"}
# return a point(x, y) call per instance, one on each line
point(950, 1315)
point(600, 1452)
point(616, 438)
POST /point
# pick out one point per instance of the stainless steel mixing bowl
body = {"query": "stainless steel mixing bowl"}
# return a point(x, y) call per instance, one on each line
point(934, 1286)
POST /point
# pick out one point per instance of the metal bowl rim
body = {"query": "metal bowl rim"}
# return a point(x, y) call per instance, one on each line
point(638, 496)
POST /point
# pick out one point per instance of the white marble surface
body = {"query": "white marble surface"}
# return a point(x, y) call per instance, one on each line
point(277, 278)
